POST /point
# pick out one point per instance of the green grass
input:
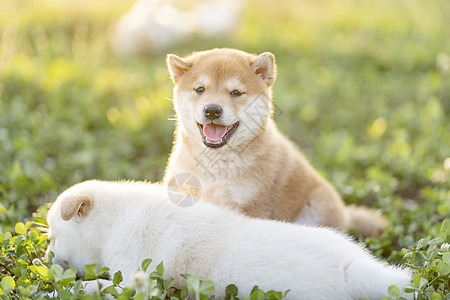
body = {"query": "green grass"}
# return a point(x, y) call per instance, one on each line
point(363, 88)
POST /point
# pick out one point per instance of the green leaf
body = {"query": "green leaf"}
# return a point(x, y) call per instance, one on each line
point(159, 273)
point(160, 269)
point(257, 295)
point(192, 282)
point(419, 281)
point(168, 283)
point(443, 268)
point(145, 264)
point(126, 294)
point(429, 291)
point(117, 278)
point(184, 293)
point(231, 290)
point(446, 257)
point(21, 263)
point(8, 284)
point(20, 228)
point(69, 275)
point(206, 287)
point(37, 262)
point(419, 259)
point(3, 210)
point(436, 297)
point(42, 271)
point(55, 273)
point(102, 272)
point(422, 243)
point(90, 272)
point(409, 288)
point(445, 227)
point(140, 296)
point(436, 241)
point(111, 290)
point(394, 291)
point(274, 295)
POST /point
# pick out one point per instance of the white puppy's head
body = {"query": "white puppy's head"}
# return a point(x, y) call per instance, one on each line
point(222, 96)
point(73, 232)
point(90, 217)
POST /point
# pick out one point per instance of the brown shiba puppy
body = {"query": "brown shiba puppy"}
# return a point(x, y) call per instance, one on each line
point(229, 151)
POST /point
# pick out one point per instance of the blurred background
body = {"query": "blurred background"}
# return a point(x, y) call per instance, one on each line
point(363, 88)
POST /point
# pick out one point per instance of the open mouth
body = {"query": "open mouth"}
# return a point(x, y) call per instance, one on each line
point(215, 135)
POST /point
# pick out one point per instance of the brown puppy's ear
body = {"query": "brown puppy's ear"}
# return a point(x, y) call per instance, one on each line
point(177, 67)
point(264, 66)
point(72, 205)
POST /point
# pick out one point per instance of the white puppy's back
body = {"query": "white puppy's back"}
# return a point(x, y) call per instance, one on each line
point(314, 263)
point(217, 244)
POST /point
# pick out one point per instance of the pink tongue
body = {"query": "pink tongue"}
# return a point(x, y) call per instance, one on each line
point(214, 132)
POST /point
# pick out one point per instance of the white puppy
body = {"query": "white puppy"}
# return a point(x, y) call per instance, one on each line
point(119, 224)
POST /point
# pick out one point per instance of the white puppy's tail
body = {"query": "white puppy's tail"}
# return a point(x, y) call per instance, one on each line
point(365, 220)
point(372, 280)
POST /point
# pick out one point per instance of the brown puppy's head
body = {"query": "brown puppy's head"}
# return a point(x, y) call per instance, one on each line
point(223, 96)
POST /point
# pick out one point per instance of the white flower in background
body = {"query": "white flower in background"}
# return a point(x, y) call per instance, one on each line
point(445, 247)
point(156, 25)
point(139, 279)
point(443, 62)
point(447, 164)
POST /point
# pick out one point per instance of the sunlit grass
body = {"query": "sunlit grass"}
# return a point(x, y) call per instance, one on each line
point(362, 87)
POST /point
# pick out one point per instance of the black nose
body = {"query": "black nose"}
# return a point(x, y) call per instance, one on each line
point(212, 111)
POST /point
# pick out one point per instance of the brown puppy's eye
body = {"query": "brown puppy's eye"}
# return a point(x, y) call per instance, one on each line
point(200, 90)
point(236, 93)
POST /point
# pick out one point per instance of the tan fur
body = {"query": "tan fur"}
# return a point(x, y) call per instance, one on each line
point(261, 172)
point(359, 216)
point(75, 205)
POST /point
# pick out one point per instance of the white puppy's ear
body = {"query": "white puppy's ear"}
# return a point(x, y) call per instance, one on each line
point(264, 66)
point(72, 205)
point(177, 67)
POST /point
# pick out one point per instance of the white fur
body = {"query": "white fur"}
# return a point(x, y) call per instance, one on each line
point(233, 84)
point(203, 80)
point(132, 221)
